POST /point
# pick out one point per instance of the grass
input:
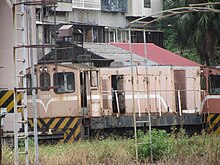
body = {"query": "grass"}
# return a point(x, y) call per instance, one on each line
point(167, 149)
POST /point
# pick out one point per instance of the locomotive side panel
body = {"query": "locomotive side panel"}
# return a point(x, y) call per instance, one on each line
point(113, 90)
point(193, 91)
point(158, 88)
point(117, 90)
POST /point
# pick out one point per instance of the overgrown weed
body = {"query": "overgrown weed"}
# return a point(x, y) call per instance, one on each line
point(168, 148)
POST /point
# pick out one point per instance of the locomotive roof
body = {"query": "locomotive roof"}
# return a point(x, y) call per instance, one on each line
point(78, 66)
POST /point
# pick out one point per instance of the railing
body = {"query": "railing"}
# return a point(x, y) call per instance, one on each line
point(161, 101)
point(87, 4)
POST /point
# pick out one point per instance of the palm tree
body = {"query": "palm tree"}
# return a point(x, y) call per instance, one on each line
point(198, 30)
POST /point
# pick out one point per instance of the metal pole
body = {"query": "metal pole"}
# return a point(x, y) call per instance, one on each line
point(133, 99)
point(1, 132)
point(148, 97)
point(33, 80)
point(15, 85)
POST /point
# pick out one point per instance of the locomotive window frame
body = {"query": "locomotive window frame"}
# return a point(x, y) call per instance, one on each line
point(203, 82)
point(44, 81)
point(64, 81)
point(214, 84)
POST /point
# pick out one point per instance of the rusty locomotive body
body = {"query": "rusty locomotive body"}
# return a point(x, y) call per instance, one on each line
point(86, 98)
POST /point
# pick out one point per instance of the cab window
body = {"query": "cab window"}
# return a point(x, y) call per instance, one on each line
point(214, 84)
point(44, 81)
point(64, 82)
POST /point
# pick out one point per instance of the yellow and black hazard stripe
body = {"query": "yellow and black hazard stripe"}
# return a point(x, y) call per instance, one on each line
point(7, 100)
point(71, 126)
point(213, 122)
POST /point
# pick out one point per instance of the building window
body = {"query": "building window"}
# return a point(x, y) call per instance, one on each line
point(44, 81)
point(214, 84)
point(147, 4)
point(114, 5)
point(64, 82)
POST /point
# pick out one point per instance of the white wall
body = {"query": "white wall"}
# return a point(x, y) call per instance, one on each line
point(95, 17)
point(136, 8)
point(156, 6)
point(6, 54)
point(6, 45)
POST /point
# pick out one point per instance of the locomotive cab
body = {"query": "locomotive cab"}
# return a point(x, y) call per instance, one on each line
point(66, 94)
point(210, 84)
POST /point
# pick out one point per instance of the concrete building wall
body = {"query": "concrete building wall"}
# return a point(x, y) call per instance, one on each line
point(156, 5)
point(136, 8)
point(100, 18)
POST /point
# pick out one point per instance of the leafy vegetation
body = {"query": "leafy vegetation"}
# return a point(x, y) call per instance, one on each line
point(194, 35)
point(168, 148)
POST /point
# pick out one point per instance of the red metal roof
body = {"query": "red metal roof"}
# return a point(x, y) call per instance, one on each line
point(157, 54)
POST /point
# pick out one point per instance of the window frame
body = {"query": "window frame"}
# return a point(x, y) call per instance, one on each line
point(209, 85)
point(64, 88)
point(45, 87)
point(203, 83)
point(147, 3)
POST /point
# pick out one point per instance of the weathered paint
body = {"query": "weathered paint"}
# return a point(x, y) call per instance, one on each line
point(69, 126)
point(213, 123)
point(7, 100)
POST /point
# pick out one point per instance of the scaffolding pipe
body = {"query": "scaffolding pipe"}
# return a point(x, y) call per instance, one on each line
point(133, 99)
point(148, 97)
point(33, 80)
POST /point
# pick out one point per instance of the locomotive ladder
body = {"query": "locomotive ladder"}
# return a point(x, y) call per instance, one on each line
point(20, 64)
point(135, 121)
point(148, 121)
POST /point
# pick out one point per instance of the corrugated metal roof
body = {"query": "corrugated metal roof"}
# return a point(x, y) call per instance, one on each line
point(157, 54)
point(110, 51)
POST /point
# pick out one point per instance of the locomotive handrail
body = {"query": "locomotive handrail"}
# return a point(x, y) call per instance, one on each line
point(179, 103)
point(117, 103)
point(162, 100)
point(29, 88)
point(169, 90)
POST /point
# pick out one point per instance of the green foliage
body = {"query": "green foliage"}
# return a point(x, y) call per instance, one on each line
point(161, 144)
point(193, 31)
point(168, 148)
point(191, 54)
